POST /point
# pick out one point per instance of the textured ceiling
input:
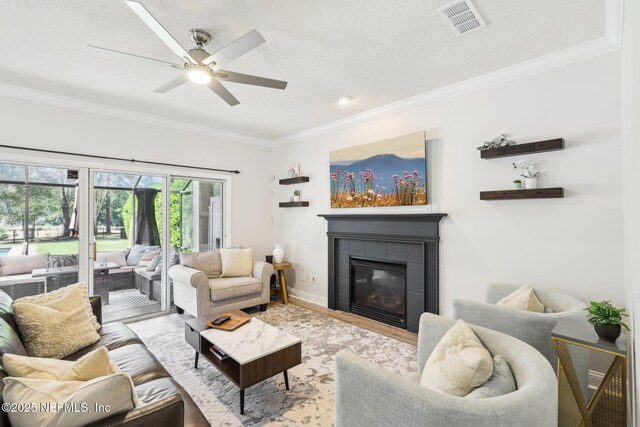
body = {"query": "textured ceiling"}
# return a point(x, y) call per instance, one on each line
point(378, 51)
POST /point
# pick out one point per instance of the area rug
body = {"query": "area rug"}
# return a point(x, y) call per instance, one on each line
point(310, 401)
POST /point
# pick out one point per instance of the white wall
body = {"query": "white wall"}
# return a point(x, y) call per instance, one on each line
point(31, 124)
point(631, 150)
point(573, 245)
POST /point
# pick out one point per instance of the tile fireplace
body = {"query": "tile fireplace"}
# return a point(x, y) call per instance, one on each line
point(384, 267)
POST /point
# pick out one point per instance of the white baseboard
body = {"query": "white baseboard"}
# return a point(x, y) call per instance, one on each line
point(309, 297)
point(595, 378)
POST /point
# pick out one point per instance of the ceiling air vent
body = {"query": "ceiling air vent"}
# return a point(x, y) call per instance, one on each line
point(461, 17)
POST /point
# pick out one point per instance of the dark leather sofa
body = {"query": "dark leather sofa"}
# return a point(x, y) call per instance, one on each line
point(164, 401)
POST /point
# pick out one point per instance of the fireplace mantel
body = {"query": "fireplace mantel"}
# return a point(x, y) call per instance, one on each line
point(409, 238)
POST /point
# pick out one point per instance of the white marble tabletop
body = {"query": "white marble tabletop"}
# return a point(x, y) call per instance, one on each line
point(250, 341)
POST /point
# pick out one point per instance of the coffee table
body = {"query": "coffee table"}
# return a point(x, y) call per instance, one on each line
point(257, 351)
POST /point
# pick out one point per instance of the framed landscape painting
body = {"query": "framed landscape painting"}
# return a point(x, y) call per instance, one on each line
point(384, 173)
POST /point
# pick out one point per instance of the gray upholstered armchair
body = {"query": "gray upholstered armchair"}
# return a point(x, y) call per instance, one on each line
point(199, 290)
point(532, 328)
point(370, 396)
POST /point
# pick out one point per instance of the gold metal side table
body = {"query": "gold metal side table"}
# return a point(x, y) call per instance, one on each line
point(608, 405)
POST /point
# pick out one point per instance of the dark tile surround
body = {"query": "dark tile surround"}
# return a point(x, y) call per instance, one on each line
point(406, 238)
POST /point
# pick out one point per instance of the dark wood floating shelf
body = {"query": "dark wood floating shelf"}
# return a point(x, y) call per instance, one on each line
point(537, 193)
point(519, 149)
point(296, 180)
point(294, 204)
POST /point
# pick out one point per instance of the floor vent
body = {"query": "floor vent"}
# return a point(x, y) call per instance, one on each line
point(461, 17)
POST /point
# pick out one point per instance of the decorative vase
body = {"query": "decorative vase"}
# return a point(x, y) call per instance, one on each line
point(278, 253)
point(608, 332)
point(292, 173)
point(296, 198)
point(530, 183)
point(296, 169)
point(518, 185)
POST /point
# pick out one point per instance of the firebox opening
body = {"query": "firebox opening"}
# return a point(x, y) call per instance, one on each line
point(378, 290)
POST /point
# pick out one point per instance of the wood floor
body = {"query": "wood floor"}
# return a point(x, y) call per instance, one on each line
point(175, 322)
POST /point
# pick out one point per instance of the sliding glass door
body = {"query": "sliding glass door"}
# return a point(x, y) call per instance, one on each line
point(39, 228)
point(118, 231)
point(197, 214)
point(128, 218)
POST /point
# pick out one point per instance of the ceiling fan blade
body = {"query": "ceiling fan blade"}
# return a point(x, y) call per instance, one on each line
point(223, 93)
point(236, 49)
point(172, 84)
point(155, 26)
point(134, 55)
point(230, 76)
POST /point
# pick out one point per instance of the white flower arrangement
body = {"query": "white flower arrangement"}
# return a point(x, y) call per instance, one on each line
point(528, 168)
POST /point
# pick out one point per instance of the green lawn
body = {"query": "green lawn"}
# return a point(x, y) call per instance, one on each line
point(66, 247)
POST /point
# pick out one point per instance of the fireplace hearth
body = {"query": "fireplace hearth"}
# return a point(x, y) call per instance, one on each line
point(384, 267)
point(379, 290)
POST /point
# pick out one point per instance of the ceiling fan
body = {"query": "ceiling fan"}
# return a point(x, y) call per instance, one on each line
point(200, 66)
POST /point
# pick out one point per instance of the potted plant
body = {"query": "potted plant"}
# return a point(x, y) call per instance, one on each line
point(606, 319)
point(530, 175)
point(296, 195)
point(517, 183)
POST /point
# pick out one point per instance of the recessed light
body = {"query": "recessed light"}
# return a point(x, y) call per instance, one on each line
point(344, 100)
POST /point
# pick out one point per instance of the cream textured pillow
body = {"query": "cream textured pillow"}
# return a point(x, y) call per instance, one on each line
point(56, 329)
point(94, 364)
point(45, 299)
point(209, 263)
point(236, 262)
point(522, 298)
point(458, 363)
point(116, 390)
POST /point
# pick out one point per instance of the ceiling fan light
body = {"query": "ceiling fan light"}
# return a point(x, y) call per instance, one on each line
point(344, 100)
point(199, 75)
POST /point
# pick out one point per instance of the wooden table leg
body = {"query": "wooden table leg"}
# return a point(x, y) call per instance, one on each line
point(197, 356)
point(283, 287)
point(286, 380)
point(242, 401)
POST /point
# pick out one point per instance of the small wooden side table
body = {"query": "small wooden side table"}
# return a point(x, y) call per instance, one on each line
point(608, 406)
point(280, 268)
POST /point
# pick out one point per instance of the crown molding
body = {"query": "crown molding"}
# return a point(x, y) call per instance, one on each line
point(558, 59)
point(611, 42)
point(56, 100)
point(606, 44)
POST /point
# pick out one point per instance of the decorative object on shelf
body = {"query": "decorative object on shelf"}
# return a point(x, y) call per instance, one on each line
point(291, 173)
point(296, 169)
point(291, 199)
point(497, 142)
point(380, 174)
point(606, 319)
point(296, 195)
point(530, 175)
point(278, 253)
point(517, 183)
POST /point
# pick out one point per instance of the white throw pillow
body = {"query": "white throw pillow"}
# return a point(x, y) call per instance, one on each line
point(522, 298)
point(458, 364)
point(94, 364)
point(56, 329)
point(45, 299)
point(117, 257)
point(72, 403)
point(237, 262)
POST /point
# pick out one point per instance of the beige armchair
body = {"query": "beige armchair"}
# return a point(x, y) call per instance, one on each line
point(199, 290)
